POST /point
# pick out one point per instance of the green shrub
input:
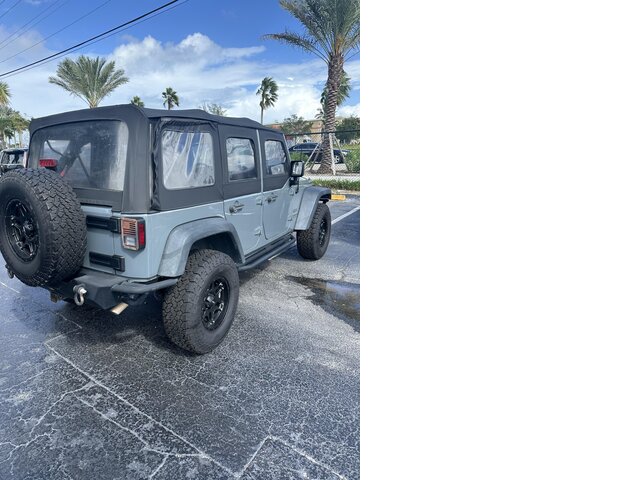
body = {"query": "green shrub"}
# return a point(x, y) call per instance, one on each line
point(339, 184)
point(352, 161)
point(298, 156)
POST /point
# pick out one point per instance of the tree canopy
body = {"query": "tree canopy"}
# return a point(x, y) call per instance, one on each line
point(268, 92)
point(295, 124)
point(136, 100)
point(91, 79)
point(214, 109)
point(170, 98)
point(345, 132)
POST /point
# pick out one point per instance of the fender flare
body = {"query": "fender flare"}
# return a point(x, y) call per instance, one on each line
point(309, 204)
point(181, 239)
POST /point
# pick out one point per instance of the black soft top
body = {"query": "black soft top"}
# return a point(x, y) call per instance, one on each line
point(132, 111)
point(141, 193)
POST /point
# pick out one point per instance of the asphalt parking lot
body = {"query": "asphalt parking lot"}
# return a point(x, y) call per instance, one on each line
point(87, 394)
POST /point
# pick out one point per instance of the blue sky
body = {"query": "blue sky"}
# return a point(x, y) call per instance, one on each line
point(206, 50)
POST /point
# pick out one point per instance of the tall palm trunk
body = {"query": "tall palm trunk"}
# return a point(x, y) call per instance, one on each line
point(262, 116)
point(336, 64)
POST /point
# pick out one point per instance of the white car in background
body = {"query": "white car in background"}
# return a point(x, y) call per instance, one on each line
point(12, 158)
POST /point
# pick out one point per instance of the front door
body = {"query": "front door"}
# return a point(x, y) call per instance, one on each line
point(276, 191)
point(242, 184)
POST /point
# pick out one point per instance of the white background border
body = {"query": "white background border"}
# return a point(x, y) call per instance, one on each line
point(501, 240)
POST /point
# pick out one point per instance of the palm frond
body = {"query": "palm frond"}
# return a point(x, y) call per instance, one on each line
point(300, 41)
point(91, 79)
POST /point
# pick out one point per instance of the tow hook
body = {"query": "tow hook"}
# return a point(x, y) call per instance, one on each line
point(78, 294)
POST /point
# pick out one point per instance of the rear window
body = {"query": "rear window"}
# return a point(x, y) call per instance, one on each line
point(88, 154)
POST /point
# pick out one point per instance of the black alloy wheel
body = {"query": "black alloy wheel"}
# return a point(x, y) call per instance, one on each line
point(22, 230)
point(215, 304)
point(322, 234)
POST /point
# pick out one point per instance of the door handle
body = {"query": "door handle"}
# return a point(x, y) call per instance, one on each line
point(272, 198)
point(236, 207)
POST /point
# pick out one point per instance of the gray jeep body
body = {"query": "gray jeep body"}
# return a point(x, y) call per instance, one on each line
point(250, 219)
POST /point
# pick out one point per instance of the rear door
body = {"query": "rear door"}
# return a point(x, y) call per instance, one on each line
point(242, 184)
point(276, 191)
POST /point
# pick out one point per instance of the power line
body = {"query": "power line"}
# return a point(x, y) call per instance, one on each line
point(11, 8)
point(74, 49)
point(37, 62)
point(23, 29)
point(57, 32)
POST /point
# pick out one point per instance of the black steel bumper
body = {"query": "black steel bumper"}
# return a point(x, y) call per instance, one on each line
point(106, 291)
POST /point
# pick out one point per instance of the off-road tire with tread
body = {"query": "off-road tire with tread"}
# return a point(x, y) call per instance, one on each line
point(309, 241)
point(183, 303)
point(60, 223)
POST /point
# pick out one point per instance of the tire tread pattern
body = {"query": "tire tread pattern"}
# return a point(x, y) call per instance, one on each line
point(182, 300)
point(65, 224)
point(308, 240)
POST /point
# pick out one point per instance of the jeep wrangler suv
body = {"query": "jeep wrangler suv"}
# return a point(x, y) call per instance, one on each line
point(120, 202)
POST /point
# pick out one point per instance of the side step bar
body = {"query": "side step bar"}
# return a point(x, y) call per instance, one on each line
point(267, 255)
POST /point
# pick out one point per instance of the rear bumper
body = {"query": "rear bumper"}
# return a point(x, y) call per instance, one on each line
point(106, 291)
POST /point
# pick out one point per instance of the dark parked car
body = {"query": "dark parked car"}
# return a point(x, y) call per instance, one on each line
point(312, 148)
point(12, 158)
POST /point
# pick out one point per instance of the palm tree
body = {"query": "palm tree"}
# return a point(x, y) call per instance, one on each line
point(331, 32)
point(268, 92)
point(136, 100)
point(5, 94)
point(170, 98)
point(91, 79)
point(19, 123)
point(12, 122)
point(343, 94)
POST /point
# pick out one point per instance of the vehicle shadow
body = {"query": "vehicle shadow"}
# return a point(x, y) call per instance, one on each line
point(102, 328)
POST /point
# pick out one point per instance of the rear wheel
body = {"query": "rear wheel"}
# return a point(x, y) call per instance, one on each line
point(198, 311)
point(313, 242)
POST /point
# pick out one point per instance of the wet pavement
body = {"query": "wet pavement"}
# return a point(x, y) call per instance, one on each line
point(86, 394)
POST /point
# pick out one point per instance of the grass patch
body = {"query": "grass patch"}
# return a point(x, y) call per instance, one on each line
point(339, 184)
point(349, 147)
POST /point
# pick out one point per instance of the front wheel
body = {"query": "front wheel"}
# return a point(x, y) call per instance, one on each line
point(198, 310)
point(313, 242)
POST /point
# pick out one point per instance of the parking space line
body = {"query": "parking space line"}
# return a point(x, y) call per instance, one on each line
point(344, 215)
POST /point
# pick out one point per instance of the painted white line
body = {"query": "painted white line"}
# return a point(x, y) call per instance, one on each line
point(345, 215)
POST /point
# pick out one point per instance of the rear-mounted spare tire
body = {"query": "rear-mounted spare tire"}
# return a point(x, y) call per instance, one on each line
point(43, 233)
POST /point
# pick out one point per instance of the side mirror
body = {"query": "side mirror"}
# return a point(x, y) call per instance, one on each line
point(297, 168)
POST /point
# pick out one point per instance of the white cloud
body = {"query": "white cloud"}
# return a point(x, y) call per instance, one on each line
point(348, 110)
point(198, 69)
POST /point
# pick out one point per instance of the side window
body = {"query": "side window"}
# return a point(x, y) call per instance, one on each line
point(187, 159)
point(275, 157)
point(241, 158)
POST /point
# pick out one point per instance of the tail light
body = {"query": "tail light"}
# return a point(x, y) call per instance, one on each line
point(48, 162)
point(133, 233)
